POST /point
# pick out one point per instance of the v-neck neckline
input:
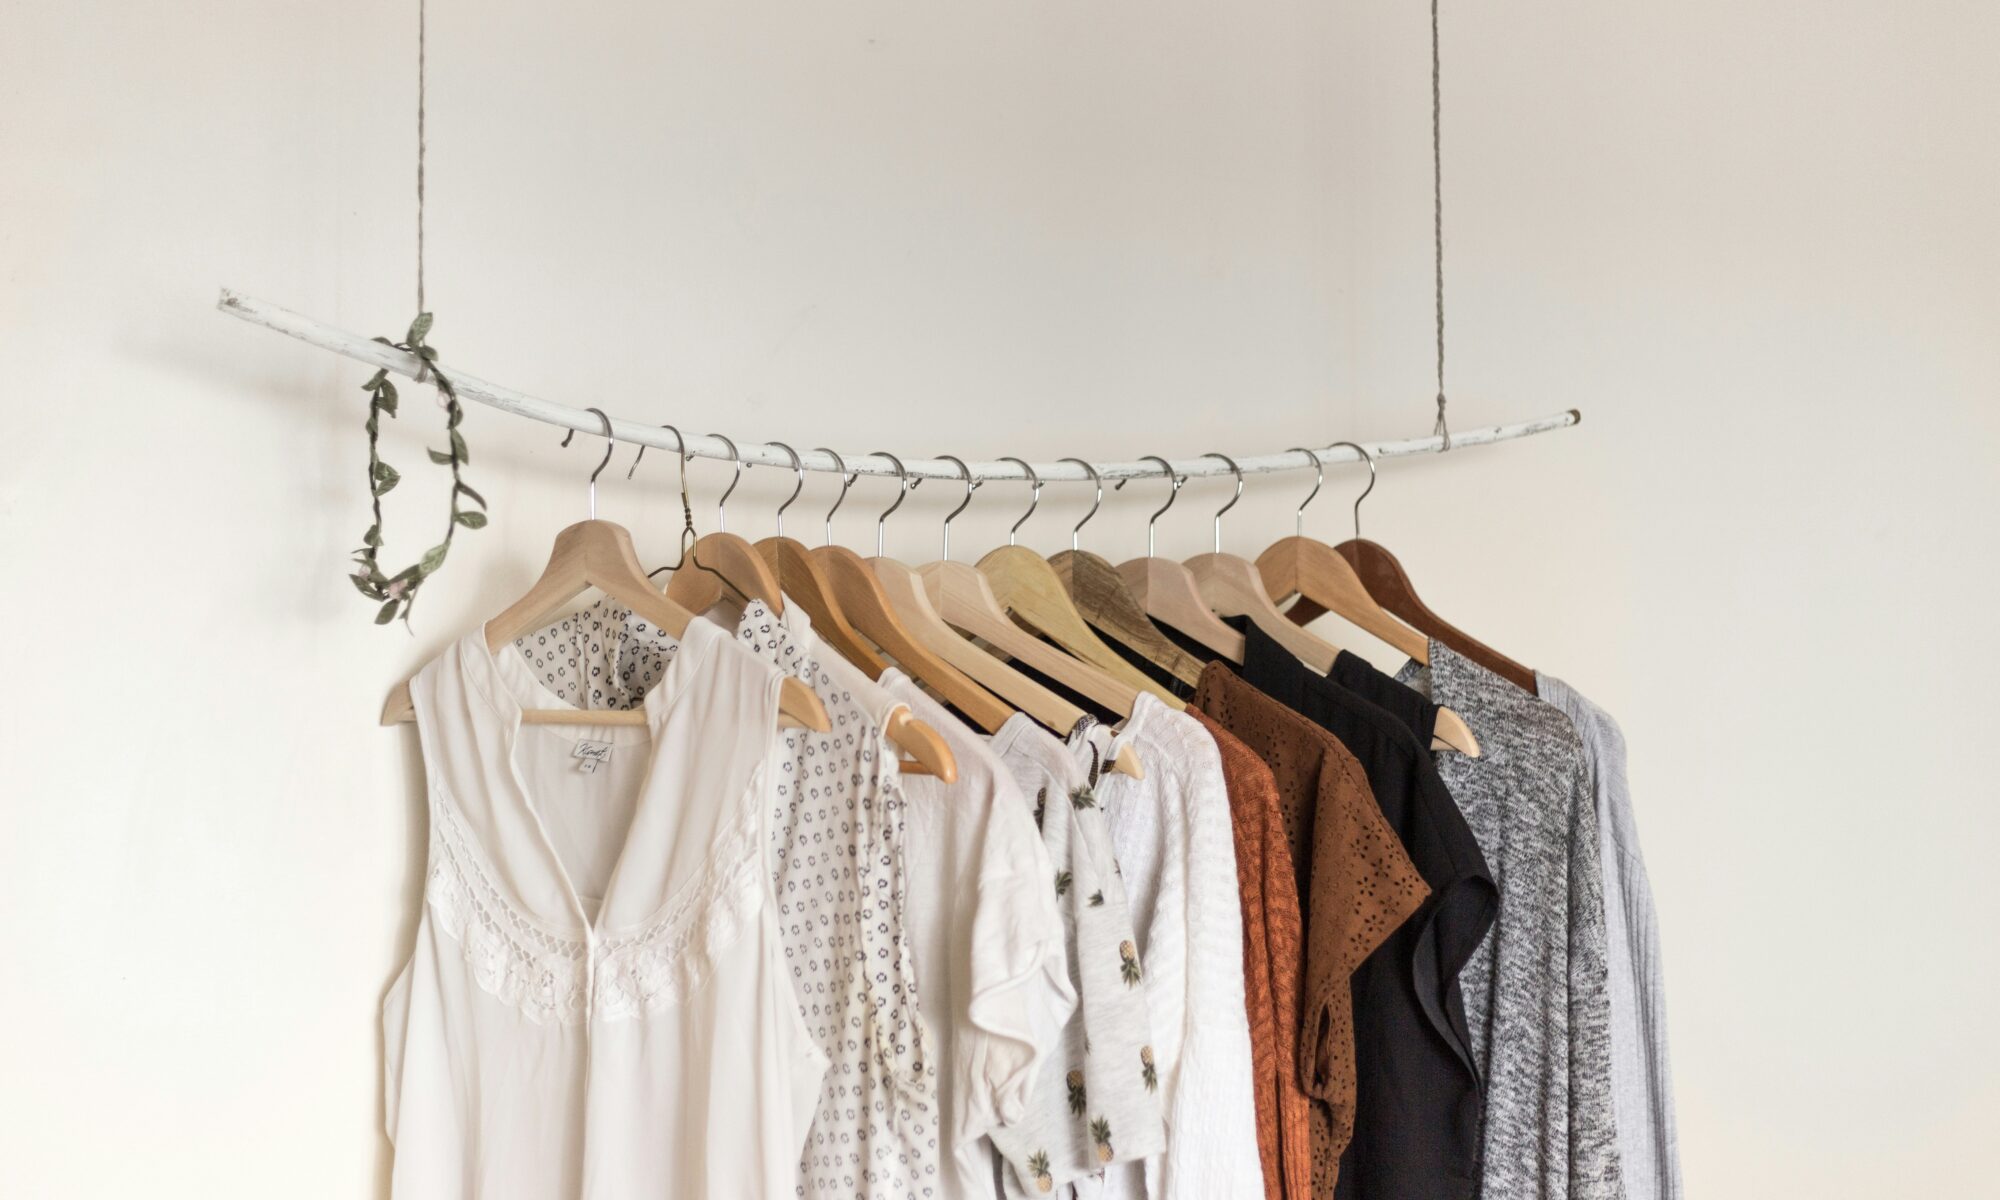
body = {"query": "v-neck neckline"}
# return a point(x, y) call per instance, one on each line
point(511, 687)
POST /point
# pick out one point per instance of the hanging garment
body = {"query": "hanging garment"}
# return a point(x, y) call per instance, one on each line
point(1103, 1075)
point(839, 878)
point(1641, 1084)
point(1170, 833)
point(1537, 1001)
point(1417, 1095)
point(1356, 886)
point(992, 967)
point(596, 1006)
point(1273, 955)
point(837, 872)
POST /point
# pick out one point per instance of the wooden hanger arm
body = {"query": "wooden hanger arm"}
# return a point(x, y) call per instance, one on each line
point(798, 708)
point(1390, 587)
point(1231, 587)
point(1104, 600)
point(961, 596)
point(724, 558)
point(805, 582)
point(1030, 591)
point(855, 585)
point(1170, 597)
point(1300, 566)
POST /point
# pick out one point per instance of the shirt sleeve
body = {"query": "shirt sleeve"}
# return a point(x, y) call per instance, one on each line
point(1211, 1110)
point(1017, 966)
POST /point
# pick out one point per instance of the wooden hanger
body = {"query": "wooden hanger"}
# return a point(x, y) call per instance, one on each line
point(1106, 603)
point(909, 598)
point(594, 553)
point(1389, 585)
point(966, 601)
point(1029, 590)
point(806, 583)
point(724, 558)
point(1168, 593)
point(1311, 569)
point(852, 583)
point(755, 578)
point(1231, 588)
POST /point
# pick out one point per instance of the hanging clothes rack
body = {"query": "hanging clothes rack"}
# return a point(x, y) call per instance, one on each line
point(647, 433)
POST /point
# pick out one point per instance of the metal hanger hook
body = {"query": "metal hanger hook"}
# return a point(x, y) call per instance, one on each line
point(1076, 531)
point(687, 508)
point(847, 479)
point(1238, 472)
point(1178, 481)
point(1319, 480)
point(1370, 460)
point(1034, 502)
point(904, 486)
point(722, 504)
point(799, 471)
point(609, 444)
point(971, 485)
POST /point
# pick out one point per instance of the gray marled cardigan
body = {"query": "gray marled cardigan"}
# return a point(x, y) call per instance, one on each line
point(1537, 999)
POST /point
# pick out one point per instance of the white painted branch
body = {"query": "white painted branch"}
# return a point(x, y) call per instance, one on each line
point(641, 433)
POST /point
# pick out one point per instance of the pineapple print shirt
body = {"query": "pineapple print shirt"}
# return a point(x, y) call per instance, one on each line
point(1096, 1100)
point(1171, 834)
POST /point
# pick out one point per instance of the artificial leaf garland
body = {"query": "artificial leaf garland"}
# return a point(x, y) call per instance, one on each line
point(397, 593)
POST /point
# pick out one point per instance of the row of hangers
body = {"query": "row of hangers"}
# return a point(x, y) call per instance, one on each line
point(958, 629)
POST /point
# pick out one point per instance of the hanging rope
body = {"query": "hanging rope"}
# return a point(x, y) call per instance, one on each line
point(1440, 430)
point(422, 39)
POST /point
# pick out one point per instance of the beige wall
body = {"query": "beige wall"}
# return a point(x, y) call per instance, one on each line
point(1756, 244)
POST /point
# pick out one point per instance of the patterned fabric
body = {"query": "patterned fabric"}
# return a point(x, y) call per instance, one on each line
point(1536, 991)
point(1356, 886)
point(1642, 1084)
point(837, 866)
point(1097, 1100)
point(1171, 833)
point(1273, 953)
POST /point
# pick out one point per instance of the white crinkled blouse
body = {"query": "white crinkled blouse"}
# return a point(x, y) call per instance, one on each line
point(596, 1005)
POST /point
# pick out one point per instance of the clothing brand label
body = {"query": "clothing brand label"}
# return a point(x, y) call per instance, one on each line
point(591, 755)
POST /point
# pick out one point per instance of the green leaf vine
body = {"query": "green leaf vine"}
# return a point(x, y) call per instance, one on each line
point(395, 594)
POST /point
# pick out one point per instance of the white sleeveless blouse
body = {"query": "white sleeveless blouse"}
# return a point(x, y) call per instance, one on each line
point(596, 1006)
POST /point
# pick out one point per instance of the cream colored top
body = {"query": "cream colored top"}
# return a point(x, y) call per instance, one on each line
point(596, 1006)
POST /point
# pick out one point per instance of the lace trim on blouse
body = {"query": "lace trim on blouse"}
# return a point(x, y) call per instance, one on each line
point(523, 963)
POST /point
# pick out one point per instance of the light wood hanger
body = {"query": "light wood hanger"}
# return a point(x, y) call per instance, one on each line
point(1168, 593)
point(1314, 571)
point(909, 598)
point(806, 583)
point(594, 553)
point(1029, 590)
point(1105, 602)
point(755, 578)
point(853, 584)
point(724, 558)
point(1389, 585)
point(966, 601)
point(1231, 588)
